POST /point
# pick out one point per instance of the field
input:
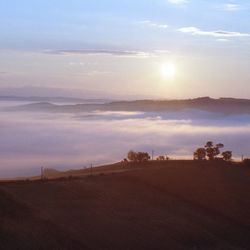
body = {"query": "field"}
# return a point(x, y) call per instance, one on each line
point(156, 205)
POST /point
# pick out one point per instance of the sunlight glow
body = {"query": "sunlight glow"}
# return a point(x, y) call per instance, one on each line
point(168, 70)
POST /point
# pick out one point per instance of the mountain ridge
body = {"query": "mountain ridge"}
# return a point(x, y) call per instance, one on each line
point(221, 105)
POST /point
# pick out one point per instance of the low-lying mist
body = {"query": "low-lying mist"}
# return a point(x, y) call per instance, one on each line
point(30, 140)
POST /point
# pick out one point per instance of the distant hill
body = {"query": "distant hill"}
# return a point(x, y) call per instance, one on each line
point(59, 99)
point(221, 105)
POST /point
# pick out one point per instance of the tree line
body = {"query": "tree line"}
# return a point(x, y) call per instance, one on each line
point(138, 156)
point(210, 151)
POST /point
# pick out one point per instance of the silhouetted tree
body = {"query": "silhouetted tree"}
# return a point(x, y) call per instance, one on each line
point(138, 156)
point(132, 156)
point(227, 155)
point(200, 154)
point(220, 145)
point(142, 156)
point(209, 144)
point(211, 150)
point(160, 158)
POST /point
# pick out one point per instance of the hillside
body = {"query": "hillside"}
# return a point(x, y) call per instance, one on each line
point(221, 105)
point(160, 205)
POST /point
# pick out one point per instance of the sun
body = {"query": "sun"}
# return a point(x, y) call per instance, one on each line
point(168, 70)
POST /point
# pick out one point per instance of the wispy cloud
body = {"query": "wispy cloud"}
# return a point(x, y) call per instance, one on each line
point(118, 53)
point(222, 40)
point(215, 33)
point(152, 24)
point(231, 7)
point(122, 53)
point(96, 73)
point(178, 2)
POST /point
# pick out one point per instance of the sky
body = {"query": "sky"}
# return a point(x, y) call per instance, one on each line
point(144, 48)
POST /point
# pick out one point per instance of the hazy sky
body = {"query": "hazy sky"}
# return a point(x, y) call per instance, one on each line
point(161, 48)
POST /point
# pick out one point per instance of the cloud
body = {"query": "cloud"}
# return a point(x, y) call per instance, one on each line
point(178, 2)
point(222, 40)
point(83, 63)
point(231, 7)
point(118, 53)
point(122, 53)
point(151, 24)
point(96, 72)
point(161, 52)
point(216, 33)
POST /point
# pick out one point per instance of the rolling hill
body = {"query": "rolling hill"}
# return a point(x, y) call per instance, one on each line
point(222, 105)
point(160, 205)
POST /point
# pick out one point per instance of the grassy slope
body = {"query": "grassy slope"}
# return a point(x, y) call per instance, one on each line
point(169, 205)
